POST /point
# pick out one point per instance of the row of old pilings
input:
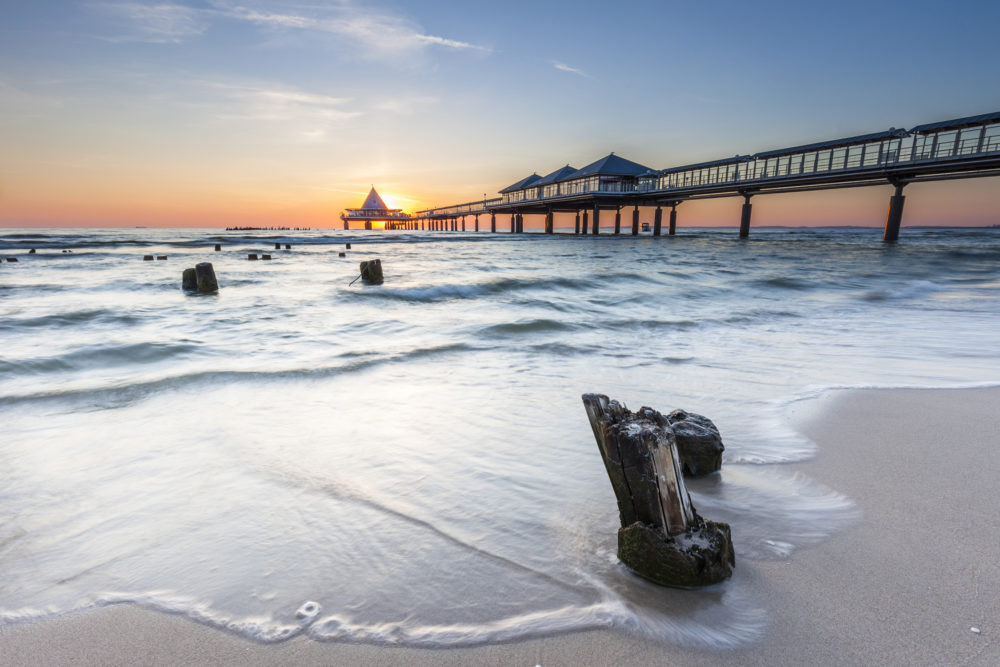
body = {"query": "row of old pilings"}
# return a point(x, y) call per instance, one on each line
point(582, 227)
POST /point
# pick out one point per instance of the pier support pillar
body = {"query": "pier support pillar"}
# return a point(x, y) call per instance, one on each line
point(549, 223)
point(583, 227)
point(345, 224)
point(657, 221)
point(463, 223)
point(513, 223)
point(672, 228)
point(895, 217)
point(477, 222)
point(745, 217)
point(577, 229)
point(618, 221)
point(493, 223)
point(635, 220)
point(597, 220)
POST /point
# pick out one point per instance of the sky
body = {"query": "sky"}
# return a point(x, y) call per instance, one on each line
point(283, 113)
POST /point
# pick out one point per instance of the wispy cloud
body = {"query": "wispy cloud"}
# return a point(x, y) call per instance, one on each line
point(269, 103)
point(378, 30)
point(154, 22)
point(563, 67)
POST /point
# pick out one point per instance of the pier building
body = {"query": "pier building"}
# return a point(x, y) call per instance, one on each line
point(374, 210)
point(960, 148)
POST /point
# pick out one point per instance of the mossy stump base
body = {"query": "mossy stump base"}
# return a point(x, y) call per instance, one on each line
point(701, 556)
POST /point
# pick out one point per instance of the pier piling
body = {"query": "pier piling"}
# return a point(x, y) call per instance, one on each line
point(549, 223)
point(672, 228)
point(577, 228)
point(895, 217)
point(493, 223)
point(657, 221)
point(745, 217)
point(583, 226)
point(597, 220)
point(635, 220)
point(618, 221)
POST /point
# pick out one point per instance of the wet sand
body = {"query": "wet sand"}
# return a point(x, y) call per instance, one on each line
point(903, 585)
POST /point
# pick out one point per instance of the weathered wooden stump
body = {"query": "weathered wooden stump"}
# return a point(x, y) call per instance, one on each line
point(161, 257)
point(12, 259)
point(288, 246)
point(371, 271)
point(265, 257)
point(189, 280)
point(348, 246)
point(205, 273)
point(218, 247)
point(31, 252)
point(252, 256)
point(277, 246)
point(662, 537)
point(341, 254)
point(147, 258)
point(699, 444)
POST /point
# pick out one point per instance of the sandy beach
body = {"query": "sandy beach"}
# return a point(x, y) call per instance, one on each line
point(904, 585)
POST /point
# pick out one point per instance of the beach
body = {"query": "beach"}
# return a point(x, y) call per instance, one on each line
point(905, 584)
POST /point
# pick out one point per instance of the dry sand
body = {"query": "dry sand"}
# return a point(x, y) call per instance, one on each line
point(903, 586)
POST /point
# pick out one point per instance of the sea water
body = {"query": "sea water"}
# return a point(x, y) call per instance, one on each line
point(411, 463)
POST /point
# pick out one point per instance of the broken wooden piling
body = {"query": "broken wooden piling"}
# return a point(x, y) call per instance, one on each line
point(371, 271)
point(662, 537)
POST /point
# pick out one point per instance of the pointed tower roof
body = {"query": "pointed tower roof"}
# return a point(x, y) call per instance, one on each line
point(374, 201)
point(610, 165)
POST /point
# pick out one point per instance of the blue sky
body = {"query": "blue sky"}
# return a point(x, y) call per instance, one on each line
point(214, 109)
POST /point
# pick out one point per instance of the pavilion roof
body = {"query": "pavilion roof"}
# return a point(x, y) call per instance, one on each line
point(521, 184)
point(557, 175)
point(609, 165)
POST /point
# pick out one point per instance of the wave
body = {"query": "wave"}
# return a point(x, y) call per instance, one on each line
point(526, 327)
point(785, 283)
point(439, 293)
point(99, 357)
point(70, 319)
point(130, 393)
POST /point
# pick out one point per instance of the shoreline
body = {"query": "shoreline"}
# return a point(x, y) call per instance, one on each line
point(903, 585)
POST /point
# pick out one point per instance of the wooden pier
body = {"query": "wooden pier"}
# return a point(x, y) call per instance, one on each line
point(953, 149)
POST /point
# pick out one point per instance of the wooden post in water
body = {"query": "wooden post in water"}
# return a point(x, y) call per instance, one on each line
point(597, 219)
point(477, 222)
point(463, 223)
point(549, 222)
point(657, 221)
point(371, 271)
point(618, 220)
point(672, 228)
point(661, 537)
point(493, 222)
point(583, 226)
point(635, 220)
point(894, 219)
point(576, 230)
point(745, 217)
point(513, 223)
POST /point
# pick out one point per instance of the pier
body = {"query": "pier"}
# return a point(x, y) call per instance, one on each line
point(613, 186)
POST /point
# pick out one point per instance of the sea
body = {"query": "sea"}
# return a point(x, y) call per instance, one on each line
point(410, 463)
